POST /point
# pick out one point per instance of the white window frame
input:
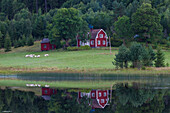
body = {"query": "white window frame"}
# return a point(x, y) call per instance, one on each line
point(81, 94)
point(45, 46)
point(104, 94)
point(104, 42)
point(80, 42)
point(100, 94)
point(98, 42)
point(102, 100)
point(92, 42)
point(93, 94)
point(101, 35)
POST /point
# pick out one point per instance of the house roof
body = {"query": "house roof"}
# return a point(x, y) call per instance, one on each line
point(95, 104)
point(94, 33)
point(45, 40)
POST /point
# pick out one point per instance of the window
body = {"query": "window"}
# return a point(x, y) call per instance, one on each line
point(46, 91)
point(101, 35)
point(100, 94)
point(104, 94)
point(98, 42)
point(102, 100)
point(104, 42)
point(93, 95)
point(45, 46)
point(92, 42)
point(81, 95)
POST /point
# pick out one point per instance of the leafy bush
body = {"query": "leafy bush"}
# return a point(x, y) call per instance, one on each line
point(72, 48)
point(86, 47)
point(116, 42)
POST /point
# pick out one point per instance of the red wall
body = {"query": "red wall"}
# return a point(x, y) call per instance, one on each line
point(101, 40)
point(93, 43)
point(48, 91)
point(48, 46)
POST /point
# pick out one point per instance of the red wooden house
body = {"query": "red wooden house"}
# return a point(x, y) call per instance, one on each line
point(99, 98)
point(98, 39)
point(46, 45)
point(47, 92)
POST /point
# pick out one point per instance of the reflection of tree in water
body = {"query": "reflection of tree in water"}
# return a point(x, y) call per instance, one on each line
point(66, 102)
point(138, 100)
point(21, 102)
point(125, 99)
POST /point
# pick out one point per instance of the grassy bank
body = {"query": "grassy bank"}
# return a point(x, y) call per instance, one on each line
point(90, 61)
point(67, 84)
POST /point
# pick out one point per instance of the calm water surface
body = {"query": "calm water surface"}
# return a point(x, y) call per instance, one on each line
point(151, 96)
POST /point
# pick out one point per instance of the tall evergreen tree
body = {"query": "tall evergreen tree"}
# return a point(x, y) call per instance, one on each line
point(1, 40)
point(7, 43)
point(159, 58)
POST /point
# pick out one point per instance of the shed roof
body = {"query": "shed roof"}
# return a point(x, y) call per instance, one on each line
point(45, 40)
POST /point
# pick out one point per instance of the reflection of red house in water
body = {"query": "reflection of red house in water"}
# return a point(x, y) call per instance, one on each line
point(98, 39)
point(99, 98)
point(46, 45)
point(47, 92)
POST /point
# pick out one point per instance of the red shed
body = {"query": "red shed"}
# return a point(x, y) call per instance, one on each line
point(98, 39)
point(46, 45)
point(48, 91)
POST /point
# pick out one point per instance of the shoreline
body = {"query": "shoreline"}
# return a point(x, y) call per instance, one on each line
point(163, 71)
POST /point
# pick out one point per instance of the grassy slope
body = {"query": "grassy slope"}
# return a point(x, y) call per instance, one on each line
point(91, 60)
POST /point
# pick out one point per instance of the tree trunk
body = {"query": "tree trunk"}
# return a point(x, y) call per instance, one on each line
point(124, 43)
point(37, 6)
point(46, 6)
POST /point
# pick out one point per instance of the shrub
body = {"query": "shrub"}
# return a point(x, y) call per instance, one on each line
point(72, 48)
point(7, 43)
point(86, 47)
point(159, 58)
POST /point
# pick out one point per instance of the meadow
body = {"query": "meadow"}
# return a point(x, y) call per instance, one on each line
point(95, 60)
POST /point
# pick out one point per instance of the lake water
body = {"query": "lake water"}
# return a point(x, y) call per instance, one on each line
point(130, 94)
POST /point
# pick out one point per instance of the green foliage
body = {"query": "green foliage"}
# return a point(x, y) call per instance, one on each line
point(123, 27)
point(1, 40)
point(30, 41)
point(66, 24)
point(136, 54)
point(159, 58)
point(146, 22)
point(122, 57)
point(86, 47)
point(7, 43)
point(116, 42)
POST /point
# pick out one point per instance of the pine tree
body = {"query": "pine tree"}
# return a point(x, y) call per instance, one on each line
point(122, 57)
point(159, 58)
point(30, 41)
point(7, 43)
point(23, 40)
point(1, 40)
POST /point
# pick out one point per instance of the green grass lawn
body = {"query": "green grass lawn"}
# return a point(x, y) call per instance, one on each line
point(90, 59)
point(94, 60)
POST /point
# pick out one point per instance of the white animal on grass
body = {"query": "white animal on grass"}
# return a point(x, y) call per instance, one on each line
point(46, 55)
point(47, 85)
point(38, 56)
point(27, 55)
